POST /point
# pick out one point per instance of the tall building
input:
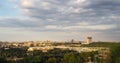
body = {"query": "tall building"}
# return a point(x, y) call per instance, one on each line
point(89, 40)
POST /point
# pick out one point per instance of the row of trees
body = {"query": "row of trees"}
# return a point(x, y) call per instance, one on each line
point(114, 50)
point(12, 52)
point(60, 56)
point(115, 54)
point(52, 56)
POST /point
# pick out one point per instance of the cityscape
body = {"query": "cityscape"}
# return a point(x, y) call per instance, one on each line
point(60, 31)
point(22, 52)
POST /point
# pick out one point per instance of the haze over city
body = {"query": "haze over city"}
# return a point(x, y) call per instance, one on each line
point(22, 20)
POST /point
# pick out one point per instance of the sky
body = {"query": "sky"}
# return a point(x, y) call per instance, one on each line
point(59, 20)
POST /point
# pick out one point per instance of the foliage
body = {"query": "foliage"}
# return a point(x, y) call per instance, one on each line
point(114, 50)
point(59, 55)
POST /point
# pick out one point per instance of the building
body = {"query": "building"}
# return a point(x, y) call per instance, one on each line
point(89, 40)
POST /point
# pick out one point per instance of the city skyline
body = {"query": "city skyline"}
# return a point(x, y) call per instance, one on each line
point(29, 20)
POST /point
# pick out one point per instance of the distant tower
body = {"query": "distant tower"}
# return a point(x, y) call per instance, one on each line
point(72, 41)
point(89, 40)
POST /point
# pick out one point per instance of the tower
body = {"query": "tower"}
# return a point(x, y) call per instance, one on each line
point(89, 40)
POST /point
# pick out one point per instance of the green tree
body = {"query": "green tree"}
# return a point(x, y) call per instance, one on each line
point(2, 60)
point(53, 60)
point(70, 58)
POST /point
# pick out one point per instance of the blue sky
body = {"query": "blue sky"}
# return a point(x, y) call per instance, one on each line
point(7, 8)
point(59, 20)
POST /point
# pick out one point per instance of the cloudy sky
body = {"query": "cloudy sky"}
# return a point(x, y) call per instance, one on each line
point(22, 20)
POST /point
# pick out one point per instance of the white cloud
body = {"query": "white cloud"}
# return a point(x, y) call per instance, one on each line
point(80, 16)
point(83, 23)
point(101, 27)
point(27, 3)
point(79, 1)
point(90, 27)
point(51, 27)
point(46, 5)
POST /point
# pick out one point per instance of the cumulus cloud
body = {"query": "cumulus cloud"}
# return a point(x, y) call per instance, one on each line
point(94, 27)
point(67, 15)
point(71, 13)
